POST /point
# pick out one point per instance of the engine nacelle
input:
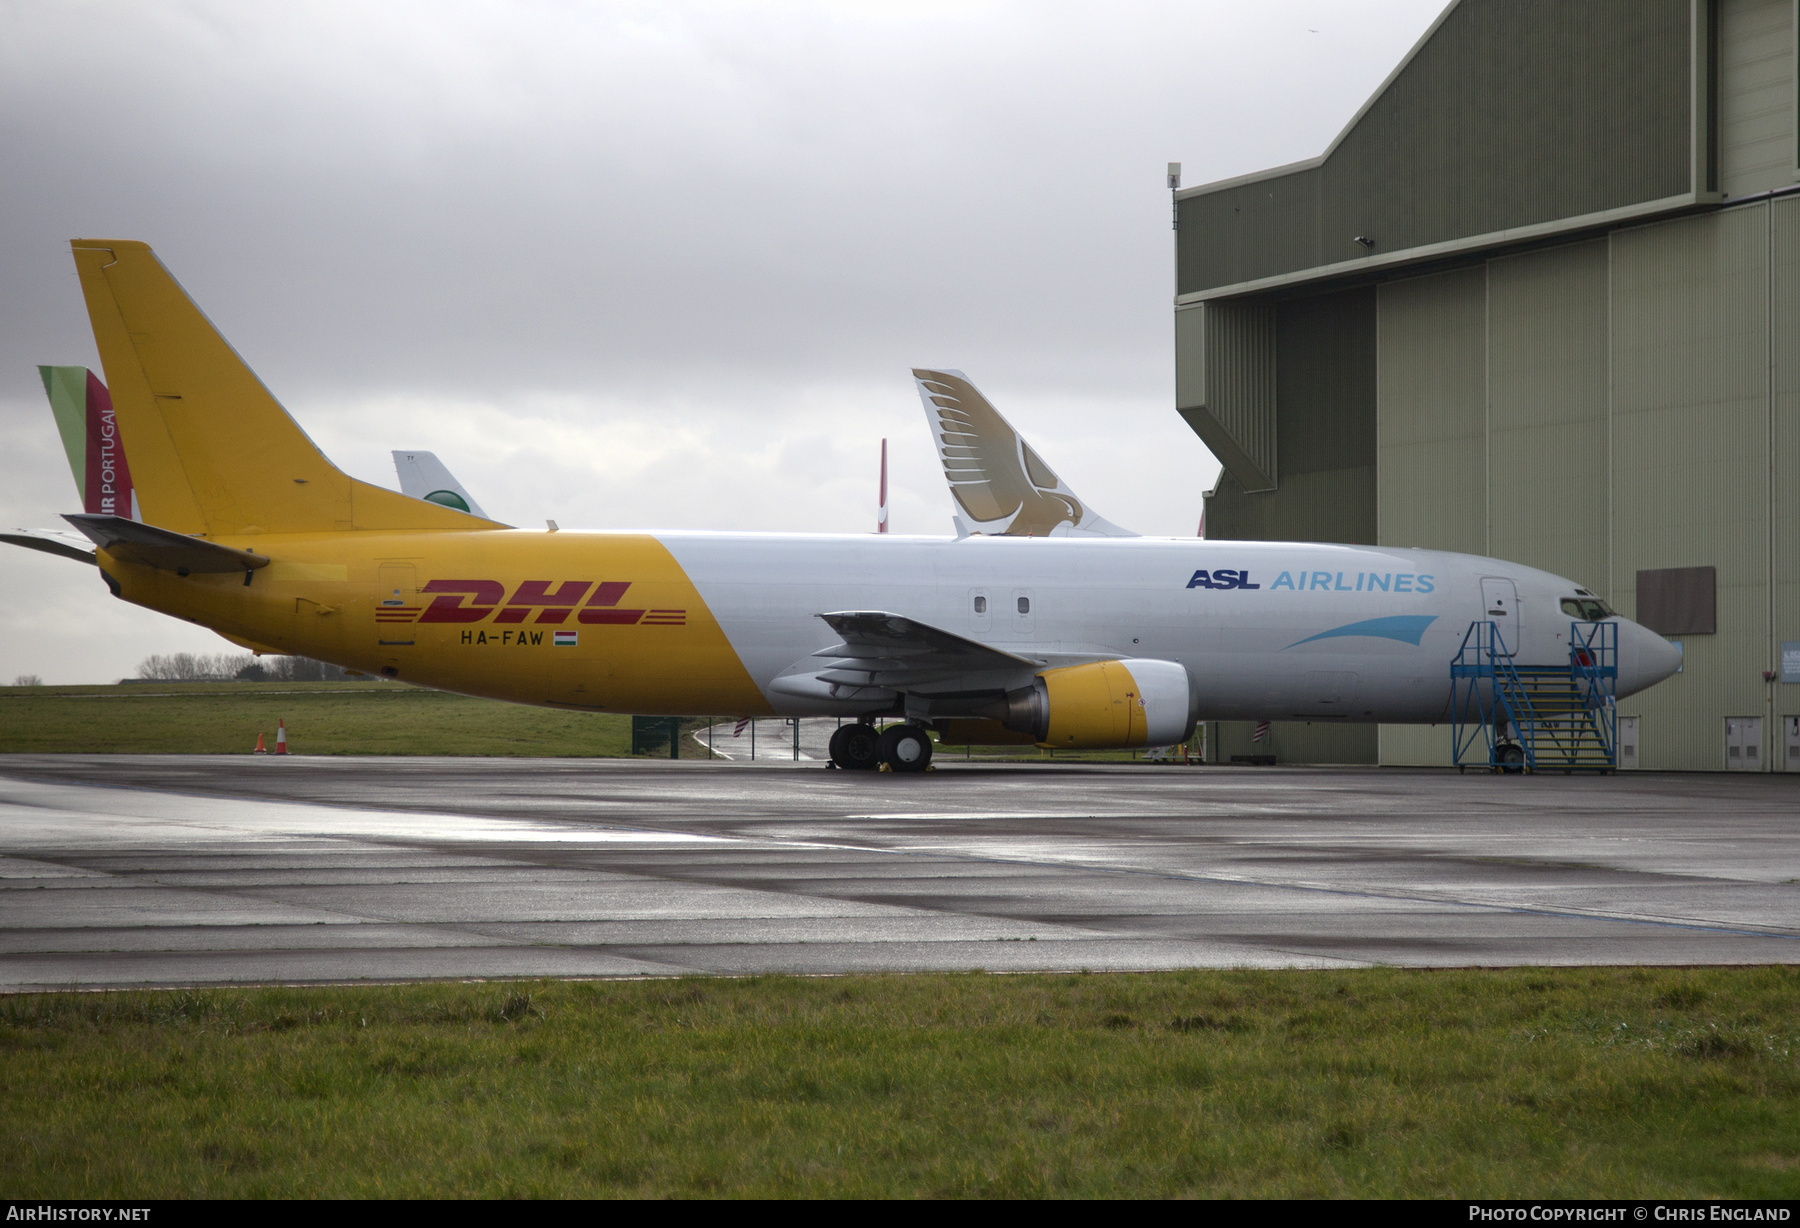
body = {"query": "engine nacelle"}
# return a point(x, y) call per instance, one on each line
point(1105, 705)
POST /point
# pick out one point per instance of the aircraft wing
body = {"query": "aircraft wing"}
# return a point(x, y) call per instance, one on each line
point(149, 546)
point(999, 484)
point(423, 476)
point(891, 650)
point(52, 541)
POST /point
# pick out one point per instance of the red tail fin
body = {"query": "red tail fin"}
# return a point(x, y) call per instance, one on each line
point(881, 520)
point(108, 486)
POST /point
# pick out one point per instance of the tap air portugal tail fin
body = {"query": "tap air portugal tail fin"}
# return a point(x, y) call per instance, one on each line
point(1000, 485)
point(212, 452)
point(90, 437)
point(423, 476)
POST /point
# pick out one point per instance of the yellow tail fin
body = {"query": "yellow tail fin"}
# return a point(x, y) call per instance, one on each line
point(212, 452)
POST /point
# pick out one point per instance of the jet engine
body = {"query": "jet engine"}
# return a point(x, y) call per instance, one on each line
point(1104, 705)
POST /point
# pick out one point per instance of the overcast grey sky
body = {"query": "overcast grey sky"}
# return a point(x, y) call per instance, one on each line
point(644, 265)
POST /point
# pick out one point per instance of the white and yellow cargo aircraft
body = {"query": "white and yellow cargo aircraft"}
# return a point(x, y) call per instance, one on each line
point(1047, 627)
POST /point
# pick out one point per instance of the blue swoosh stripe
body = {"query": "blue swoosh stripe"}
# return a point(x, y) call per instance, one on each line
point(1407, 628)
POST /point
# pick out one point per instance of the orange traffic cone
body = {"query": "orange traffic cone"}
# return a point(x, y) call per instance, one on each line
point(260, 748)
point(281, 737)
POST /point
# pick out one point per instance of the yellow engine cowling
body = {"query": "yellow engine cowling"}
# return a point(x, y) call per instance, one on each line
point(1105, 705)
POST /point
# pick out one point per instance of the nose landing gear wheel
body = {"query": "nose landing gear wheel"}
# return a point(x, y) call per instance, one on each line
point(1511, 758)
point(856, 748)
point(905, 748)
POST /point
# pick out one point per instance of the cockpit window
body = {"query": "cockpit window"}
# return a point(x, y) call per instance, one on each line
point(1586, 609)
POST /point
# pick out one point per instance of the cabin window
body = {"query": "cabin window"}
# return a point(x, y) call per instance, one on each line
point(981, 605)
point(1024, 605)
point(1587, 609)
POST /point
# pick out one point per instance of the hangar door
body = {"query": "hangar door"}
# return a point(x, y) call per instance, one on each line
point(1500, 606)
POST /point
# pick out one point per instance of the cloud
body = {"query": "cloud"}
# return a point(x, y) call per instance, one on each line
point(660, 263)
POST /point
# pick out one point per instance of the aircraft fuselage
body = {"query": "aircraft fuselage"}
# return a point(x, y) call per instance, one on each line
point(689, 623)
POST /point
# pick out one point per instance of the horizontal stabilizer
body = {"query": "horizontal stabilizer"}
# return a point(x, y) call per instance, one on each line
point(51, 541)
point(148, 546)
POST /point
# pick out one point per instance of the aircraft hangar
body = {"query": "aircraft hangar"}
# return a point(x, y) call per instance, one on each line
point(1539, 300)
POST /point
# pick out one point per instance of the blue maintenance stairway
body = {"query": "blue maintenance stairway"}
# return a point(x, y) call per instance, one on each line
point(1536, 718)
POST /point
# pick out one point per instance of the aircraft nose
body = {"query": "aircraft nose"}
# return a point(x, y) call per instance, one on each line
point(1645, 658)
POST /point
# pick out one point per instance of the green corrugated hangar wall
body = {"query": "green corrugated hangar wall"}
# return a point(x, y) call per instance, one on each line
point(1623, 404)
point(1597, 383)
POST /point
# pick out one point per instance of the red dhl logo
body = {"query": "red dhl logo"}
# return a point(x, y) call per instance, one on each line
point(471, 601)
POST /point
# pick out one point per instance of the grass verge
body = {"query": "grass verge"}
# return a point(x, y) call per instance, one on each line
point(323, 718)
point(1570, 1082)
point(342, 718)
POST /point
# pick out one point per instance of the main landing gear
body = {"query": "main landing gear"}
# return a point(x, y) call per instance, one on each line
point(904, 748)
point(856, 747)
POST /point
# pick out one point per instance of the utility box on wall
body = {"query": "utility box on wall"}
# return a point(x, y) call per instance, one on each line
point(1628, 742)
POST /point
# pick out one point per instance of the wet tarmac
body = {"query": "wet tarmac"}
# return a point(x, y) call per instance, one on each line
point(174, 870)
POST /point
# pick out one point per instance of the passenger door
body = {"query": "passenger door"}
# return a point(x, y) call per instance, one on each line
point(1500, 606)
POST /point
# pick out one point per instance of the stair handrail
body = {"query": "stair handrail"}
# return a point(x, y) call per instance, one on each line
point(1594, 661)
point(1468, 670)
point(1488, 658)
point(1594, 650)
point(1506, 676)
point(1592, 674)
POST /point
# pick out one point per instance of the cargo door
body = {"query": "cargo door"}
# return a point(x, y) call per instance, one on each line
point(397, 607)
point(1500, 606)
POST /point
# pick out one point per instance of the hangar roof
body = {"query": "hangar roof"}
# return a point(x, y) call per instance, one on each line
point(1508, 120)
